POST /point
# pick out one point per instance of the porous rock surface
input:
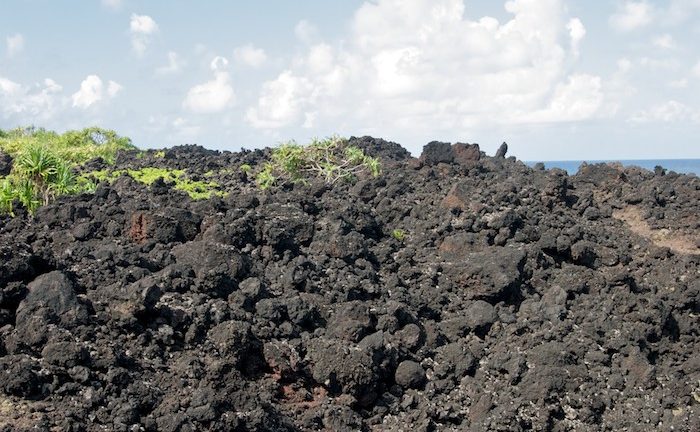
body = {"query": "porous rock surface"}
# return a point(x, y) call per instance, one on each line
point(518, 299)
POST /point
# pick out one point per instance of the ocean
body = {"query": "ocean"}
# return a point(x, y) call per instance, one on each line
point(683, 166)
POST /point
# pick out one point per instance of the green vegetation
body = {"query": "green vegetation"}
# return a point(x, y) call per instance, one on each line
point(198, 190)
point(7, 196)
point(44, 161)
point(73, 147)
point(38, 176)
point(399, 235)
point(331, 159)
point(195, 189)
point(148, 175)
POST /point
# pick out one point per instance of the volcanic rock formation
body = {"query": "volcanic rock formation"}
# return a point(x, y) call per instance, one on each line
point(515, 299)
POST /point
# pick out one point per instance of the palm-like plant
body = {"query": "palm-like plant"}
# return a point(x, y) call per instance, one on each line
point(38, 177)
point(37, 163)
point(62, 181)
point(27, 195)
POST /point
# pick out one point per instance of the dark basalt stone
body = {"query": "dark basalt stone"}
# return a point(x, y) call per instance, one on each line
point(514, 299)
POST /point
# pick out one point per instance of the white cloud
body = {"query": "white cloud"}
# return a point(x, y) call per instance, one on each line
point(92, 90)
point(682, 10)
point(142, 24)
point(667, 112)
point(305, 31)
point(281, 102)
point(15, 44)
point(172, 129)
point(250, 56)
point(113, 88)
point(22, 104)
point(9, 88)
point(678, 84)
point(112, 4)
point(664, 41)
point(142, 28)
point(577, 31)
point(174, 65)
point(212, 96)
point(424, 67)
point(577, 99)
point(696, 69)
point(660, 64)
point(218, 64)
point(624, 65)
point(184, 129)
point(632, 15)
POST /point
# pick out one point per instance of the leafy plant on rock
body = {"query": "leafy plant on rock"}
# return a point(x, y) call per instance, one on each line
point(197, 190)
point(8, 195)
point(44, 161)
point(398, 234)
point(331, 159)
point(38, 176)
point(73, 147)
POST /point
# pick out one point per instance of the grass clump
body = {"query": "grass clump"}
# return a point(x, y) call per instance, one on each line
point(331, 159)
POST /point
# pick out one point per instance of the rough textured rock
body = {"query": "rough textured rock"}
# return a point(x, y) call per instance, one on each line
point(50, 301)
point(436, 152)
point(466, 154)
point(409, 374)
point(515, 299)
point(501, 152)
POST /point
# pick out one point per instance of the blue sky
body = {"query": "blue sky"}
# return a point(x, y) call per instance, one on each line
point(556, 79)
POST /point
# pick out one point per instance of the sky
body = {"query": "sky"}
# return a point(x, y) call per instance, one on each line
point(556, 79)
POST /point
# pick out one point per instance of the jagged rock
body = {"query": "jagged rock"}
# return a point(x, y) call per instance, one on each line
point(409, 374)
point(436, 152)
point(456, 292)
point(501, 152)
point(466, 154)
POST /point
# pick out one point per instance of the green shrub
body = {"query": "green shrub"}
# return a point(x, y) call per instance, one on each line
point(28, 195)
point(44, 161)
point(40, 176)
point(74, 147)
point(399, 235)
point(8, 194)
point(331, 159)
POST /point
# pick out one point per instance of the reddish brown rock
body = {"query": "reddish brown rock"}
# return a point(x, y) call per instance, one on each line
point(466, 154)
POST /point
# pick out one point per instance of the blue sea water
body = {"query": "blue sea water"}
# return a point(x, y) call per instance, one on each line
point(682, 166)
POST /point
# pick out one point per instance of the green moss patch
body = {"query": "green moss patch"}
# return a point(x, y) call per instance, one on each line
point(197, 190)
